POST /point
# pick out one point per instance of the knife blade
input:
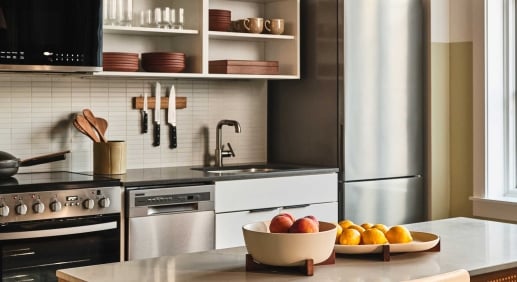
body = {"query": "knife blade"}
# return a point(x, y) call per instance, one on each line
point(144, 114)
point(157, 101)
point(171, 118)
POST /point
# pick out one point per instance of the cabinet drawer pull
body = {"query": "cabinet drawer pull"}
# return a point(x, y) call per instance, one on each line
point(296, 206)
point(263, 210)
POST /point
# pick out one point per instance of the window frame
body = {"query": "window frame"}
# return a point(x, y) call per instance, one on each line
point(495, 190)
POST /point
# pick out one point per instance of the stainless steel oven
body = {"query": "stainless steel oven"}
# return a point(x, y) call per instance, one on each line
point(47, 227)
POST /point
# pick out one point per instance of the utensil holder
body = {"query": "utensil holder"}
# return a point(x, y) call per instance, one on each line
point(109, 157)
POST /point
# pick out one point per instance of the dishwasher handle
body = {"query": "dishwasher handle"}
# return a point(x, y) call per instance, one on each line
point(180, 208)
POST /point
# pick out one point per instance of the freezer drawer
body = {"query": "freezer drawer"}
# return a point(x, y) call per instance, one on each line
point(391, 201)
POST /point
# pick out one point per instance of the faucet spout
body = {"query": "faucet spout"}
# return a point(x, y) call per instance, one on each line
point(229, 122)
point(220, 153)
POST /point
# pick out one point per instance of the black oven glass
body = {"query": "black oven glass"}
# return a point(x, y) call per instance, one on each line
point(37, 259)
point(51, 32)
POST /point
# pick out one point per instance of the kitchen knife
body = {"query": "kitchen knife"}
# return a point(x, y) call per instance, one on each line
point(171, 118)
point(144, 114)
point(157, 101)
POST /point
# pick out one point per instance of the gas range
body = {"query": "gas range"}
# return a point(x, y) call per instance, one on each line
point(60, 194)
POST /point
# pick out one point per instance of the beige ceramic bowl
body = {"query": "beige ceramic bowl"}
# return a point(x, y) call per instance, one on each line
point(288, 249)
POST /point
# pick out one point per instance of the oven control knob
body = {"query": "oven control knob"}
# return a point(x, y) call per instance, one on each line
point(4, 210)
point(104, 202)
point(89, 204)
point(55, 206)
point(38, 207)
point(21, 208)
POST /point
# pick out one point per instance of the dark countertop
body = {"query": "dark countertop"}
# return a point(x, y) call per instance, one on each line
point(135, 178)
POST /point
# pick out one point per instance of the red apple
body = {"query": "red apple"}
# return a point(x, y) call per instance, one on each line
point(304, 225)
point(281, 223)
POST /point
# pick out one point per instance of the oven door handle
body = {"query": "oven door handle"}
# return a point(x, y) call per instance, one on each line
point(58, 231)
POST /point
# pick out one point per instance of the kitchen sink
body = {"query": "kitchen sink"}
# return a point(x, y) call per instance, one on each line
point(245, 169)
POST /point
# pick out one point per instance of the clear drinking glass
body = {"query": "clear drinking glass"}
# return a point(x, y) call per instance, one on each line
point(110, 12)
point(157, 17)
point(166, 18)
point(173, 18)
point(125, 12)
point(149, 18)
point(141, 20)
point(177, 18)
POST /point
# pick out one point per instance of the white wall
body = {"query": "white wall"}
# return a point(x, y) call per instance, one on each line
point(36, 113)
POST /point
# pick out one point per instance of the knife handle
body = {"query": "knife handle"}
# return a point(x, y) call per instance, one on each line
point(173, 138)
point(156, 134)
point(144, 122)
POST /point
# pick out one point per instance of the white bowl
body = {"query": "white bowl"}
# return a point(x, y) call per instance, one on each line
point(288, 249)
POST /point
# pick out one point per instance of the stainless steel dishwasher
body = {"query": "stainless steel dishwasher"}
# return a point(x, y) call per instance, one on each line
point(169, 220)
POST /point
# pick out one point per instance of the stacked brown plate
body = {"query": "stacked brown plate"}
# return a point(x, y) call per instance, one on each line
point(219, 20)
point(118, 61)
point(163, 62)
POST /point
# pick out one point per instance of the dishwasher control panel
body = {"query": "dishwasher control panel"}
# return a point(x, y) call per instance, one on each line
point(143, 200)
point(147, 201)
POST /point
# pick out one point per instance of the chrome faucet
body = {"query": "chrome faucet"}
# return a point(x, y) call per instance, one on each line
point(220, 153)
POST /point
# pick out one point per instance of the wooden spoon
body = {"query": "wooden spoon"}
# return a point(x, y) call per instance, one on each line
point(103, 125)
point(84, 126)
point(90, 117)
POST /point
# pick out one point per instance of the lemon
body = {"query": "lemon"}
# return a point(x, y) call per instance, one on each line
point(356, 227)
point(345, 223)
point(373, 236)
point(381, 227)
point(350, 237)
point(399, 234)
point(366, 225)
point(339, 230)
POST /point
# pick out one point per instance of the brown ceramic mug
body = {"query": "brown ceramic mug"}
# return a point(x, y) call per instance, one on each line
point(238, 26)
point(254, 25)
point(274, 26)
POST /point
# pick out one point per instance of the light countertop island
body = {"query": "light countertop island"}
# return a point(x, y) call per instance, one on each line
point(484, 248)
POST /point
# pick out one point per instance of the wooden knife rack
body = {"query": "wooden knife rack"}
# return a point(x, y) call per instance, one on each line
point(138, 102)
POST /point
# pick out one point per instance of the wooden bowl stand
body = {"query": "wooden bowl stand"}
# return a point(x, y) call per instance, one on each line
point(307, 268)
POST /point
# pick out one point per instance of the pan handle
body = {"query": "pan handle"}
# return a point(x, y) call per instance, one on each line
point(45, 158)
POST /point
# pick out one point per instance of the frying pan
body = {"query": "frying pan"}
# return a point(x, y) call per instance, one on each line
point(9, 164)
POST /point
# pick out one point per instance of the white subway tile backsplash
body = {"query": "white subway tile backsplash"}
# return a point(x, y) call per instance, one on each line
point(36, 114)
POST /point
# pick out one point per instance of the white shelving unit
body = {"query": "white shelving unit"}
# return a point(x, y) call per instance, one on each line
point(201, 45)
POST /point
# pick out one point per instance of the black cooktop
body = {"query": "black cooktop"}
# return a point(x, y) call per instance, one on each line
point(55, 180)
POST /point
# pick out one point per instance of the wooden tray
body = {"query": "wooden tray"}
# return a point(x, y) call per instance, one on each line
point(243, 67)
point(422, 242)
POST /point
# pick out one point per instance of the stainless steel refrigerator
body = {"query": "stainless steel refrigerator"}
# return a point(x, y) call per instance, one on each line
point(359, 105)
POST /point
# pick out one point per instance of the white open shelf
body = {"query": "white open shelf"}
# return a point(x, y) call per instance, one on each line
point(129, 30)
point(201, 45)
point(247, 36)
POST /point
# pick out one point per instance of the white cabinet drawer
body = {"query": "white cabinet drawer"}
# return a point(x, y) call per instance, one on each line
point(249, 194)
point(228, 226)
